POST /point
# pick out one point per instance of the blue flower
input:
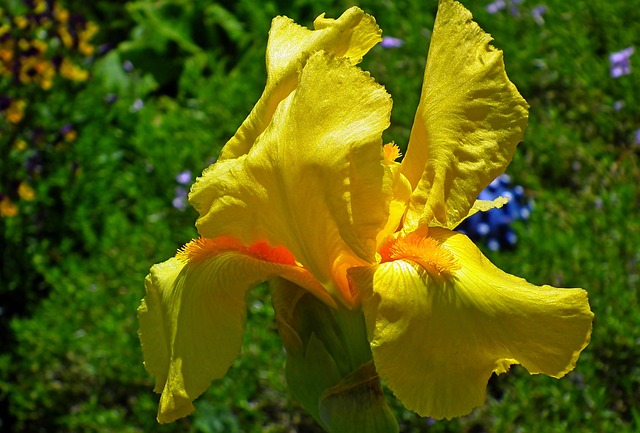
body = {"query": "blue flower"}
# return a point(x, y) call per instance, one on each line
point(494, 226)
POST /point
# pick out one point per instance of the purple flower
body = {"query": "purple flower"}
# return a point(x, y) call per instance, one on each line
point(180, 199)
point(137, 105)
point(636, 137)
point(184, 177)
point(618, 105)
point(499, 5)
point(620, 64)
point(111, 98)
point(597, 202)
point(513, 8)
point(430, 421)
point(391, 42)
point(537, 12)
point(496, 6)
point(66, 129)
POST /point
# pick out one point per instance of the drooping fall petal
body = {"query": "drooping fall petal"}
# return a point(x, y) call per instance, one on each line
point(468, 123)
point(441, 319)
point(192, 317)
point(315, 181)
point(288, 48)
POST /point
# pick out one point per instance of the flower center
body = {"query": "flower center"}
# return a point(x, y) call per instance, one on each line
point(391, 152)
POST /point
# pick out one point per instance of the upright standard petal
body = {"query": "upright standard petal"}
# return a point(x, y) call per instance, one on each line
point(315, 181)
point(441, 319)
point(468, 123)
point(192, 317)
point(289, 46)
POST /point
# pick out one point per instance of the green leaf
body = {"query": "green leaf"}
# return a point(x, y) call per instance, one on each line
point(357, 405)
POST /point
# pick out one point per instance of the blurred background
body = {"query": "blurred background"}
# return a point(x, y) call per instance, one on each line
point(110, 109)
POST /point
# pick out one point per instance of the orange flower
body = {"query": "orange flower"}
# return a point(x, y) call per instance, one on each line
point(8, 208)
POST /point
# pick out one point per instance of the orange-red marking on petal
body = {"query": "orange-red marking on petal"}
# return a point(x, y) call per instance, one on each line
point(202, 248)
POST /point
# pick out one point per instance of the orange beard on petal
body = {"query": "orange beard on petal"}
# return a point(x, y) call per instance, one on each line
point(202, 248)
point(425, 251)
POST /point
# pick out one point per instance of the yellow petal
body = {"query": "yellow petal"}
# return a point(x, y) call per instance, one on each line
point(401, 192)
point(486, 205)
point(315, 181)
point(192, 317)
point(468, 123)
point(289, 46)
point(439, 331)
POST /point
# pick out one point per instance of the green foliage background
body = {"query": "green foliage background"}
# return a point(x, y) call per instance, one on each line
point(74, 259)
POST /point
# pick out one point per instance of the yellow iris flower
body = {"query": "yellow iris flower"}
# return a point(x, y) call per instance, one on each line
point(306, 192)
